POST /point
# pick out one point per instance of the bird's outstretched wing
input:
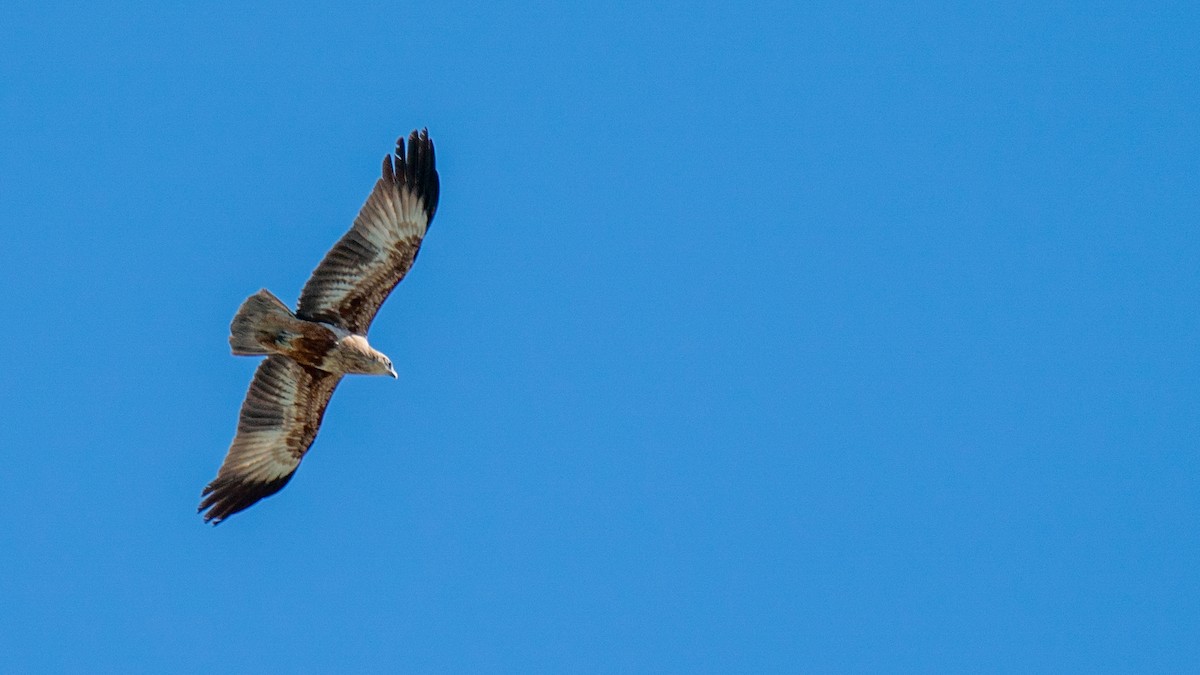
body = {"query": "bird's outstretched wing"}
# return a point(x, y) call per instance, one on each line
point(278, 422)
point(361, 270)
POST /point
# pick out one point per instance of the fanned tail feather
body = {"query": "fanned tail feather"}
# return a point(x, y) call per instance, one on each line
point(260, 318)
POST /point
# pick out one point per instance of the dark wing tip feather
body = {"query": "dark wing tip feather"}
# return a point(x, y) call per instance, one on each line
point(416, 169)
point(226, 496)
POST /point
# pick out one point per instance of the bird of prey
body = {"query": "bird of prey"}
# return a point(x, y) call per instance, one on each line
point(309, 350)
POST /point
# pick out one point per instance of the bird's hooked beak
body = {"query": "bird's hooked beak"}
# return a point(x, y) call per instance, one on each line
point(392, 372)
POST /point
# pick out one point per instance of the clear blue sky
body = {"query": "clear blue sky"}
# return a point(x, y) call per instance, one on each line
point(748, 338)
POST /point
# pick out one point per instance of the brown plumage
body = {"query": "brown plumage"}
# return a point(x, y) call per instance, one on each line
point(310, 350)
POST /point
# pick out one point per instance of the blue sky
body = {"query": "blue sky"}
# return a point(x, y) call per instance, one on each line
point(799, 337)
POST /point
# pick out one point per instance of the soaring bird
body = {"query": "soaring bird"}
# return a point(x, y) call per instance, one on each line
point(309, 350)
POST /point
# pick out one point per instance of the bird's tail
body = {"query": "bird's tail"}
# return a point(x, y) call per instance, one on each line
point(257, 323)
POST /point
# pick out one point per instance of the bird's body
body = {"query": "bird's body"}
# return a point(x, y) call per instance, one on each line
point(309, 351)
point(264, 325)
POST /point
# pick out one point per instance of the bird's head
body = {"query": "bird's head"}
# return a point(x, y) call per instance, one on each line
point(378, 363)
point(383, 365)
point(364, 359)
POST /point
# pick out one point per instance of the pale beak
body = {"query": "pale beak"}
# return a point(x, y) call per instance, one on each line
point(392, 372)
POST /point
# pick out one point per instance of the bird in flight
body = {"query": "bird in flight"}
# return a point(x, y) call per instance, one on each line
point(309, 350)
